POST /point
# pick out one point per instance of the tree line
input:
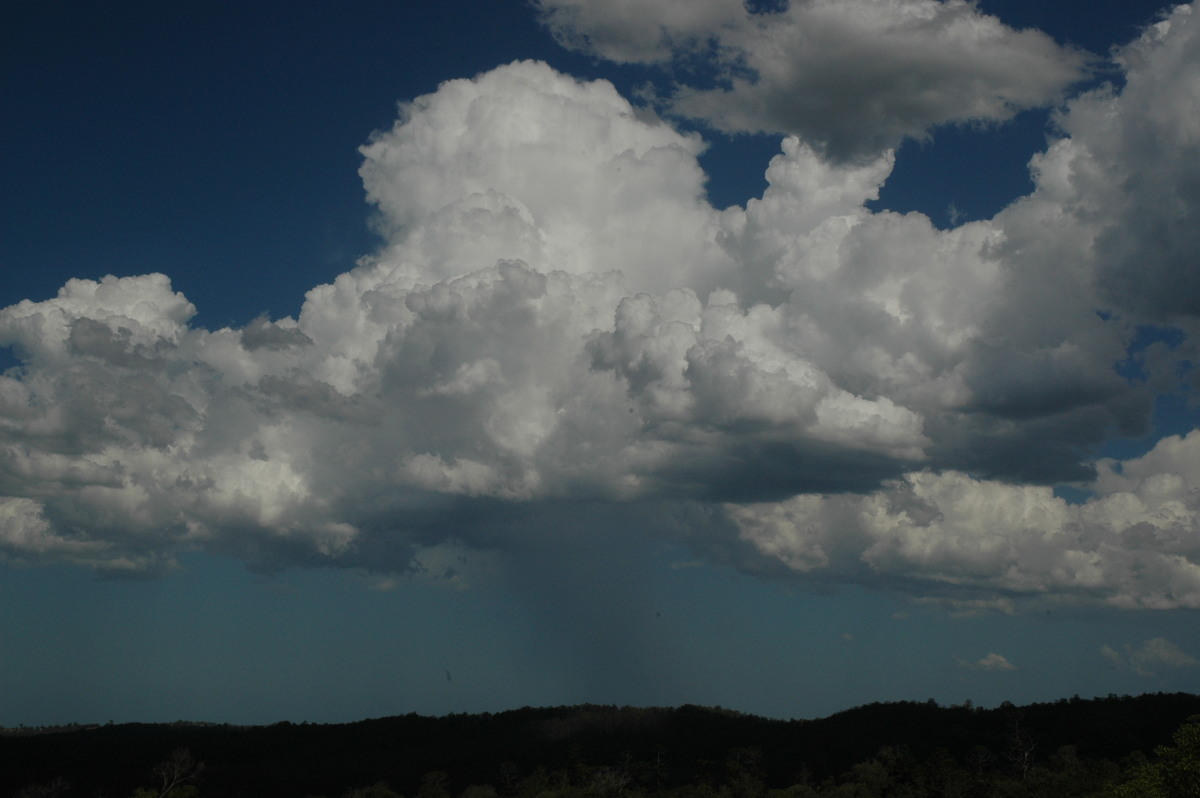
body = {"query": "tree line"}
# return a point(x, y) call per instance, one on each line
point(1114, 747)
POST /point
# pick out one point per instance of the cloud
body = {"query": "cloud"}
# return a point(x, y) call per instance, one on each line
point(262, 333)
point(851, 77)
point(1023, 377)
point(963, 536)
point(525, 163)
point(629, 31)
point(992, 662)
point(1155, 653)
point(561, 337)
point(1139, 167)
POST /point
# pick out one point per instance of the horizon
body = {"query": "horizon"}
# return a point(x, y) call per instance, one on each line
point(782, 357)
point(717, 709)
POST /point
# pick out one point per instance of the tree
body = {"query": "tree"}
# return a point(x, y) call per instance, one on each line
point(379, 789)
point(51, 789)
point(478, 791)
point(433, 785)
point(1020, 745)
point(176, 774)
point(1175, 774)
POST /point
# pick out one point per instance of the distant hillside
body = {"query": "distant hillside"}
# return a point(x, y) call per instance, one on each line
point(571, 752)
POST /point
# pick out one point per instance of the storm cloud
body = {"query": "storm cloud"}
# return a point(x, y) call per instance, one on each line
point(560, 327)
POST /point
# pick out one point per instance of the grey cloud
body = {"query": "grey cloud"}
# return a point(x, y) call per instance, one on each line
point(1020, 385)
point(644, 32)
point(1153, 654)
point(114, 347)
point(850, 77)
point(262, 333)
point(1042, 450)
point(300, 392)
point(1145, 172)
point(753, 468)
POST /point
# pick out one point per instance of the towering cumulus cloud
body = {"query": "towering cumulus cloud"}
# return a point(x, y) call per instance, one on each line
point(561, 328)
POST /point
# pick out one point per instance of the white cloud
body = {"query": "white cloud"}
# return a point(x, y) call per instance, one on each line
point(853, 77)
point(526, 163)
point(561, 329)
point(992, 662)
point(1155, 653)
point(958, 535)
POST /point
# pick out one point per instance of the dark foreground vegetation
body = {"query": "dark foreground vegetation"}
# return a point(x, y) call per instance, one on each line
point(1125, 747)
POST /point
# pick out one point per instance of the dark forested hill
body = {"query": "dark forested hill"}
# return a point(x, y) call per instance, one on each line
point(573, 752)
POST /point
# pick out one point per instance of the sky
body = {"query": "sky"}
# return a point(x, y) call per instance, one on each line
point(367, 358)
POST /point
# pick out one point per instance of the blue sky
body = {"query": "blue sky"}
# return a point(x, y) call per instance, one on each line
point(785, 358)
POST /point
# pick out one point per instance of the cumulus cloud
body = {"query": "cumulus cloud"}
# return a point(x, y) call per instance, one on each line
point(1155, 653)
point(960, 536)
point(992, 662)
point(852, 77)
point(1033, 373)
point(1138, 165)
point(561, 337)
point(526, 163)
